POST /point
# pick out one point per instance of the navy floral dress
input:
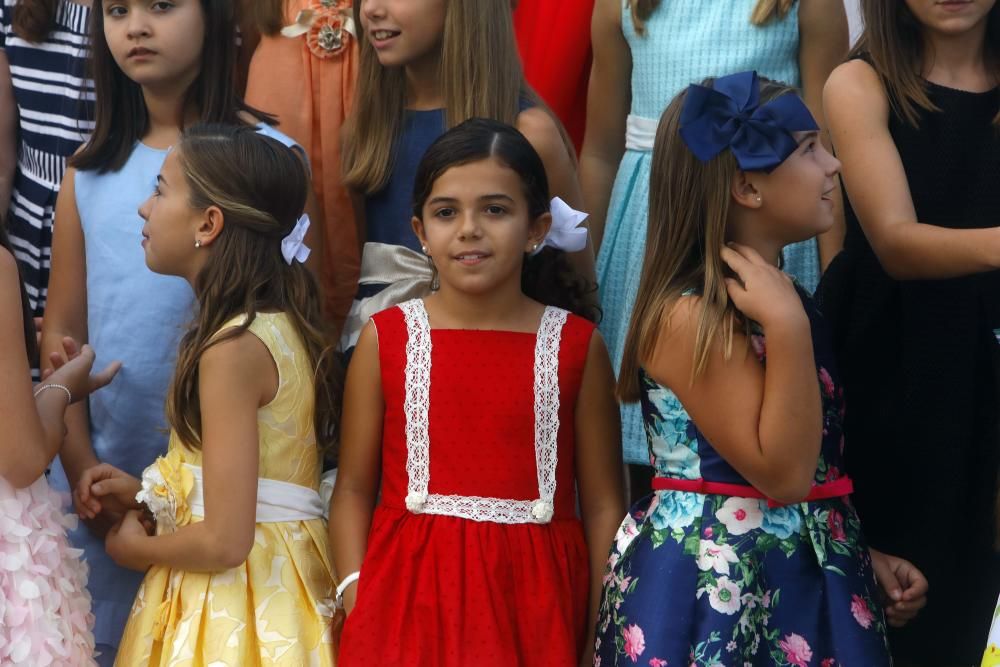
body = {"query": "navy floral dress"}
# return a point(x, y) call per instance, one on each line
point(716, 580)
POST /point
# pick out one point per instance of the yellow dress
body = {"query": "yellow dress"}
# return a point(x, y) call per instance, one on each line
point(277, 607)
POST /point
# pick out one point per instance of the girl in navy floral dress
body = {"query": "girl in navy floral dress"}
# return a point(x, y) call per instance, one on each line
point(749, 551)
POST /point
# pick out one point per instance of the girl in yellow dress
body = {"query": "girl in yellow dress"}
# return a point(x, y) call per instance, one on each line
point(237, 571)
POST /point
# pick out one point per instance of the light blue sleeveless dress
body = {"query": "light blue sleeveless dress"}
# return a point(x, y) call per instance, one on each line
point(685, 41)
point(137, 317)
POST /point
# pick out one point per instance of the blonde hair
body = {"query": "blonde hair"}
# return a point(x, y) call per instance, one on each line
point(689, 204)
point(763, 12)
point(481, 77)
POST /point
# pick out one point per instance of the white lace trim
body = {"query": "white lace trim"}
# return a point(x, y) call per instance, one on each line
point(417, 405)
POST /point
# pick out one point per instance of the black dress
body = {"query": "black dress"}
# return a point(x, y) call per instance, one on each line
point(919, 363)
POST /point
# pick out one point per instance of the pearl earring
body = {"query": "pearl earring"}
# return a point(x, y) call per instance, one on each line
point(534, 247)
point(758, 199)
point(197, 244)
point(424, 248)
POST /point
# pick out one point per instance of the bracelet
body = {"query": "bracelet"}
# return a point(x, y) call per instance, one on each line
point(347, 581)
point(52, 385)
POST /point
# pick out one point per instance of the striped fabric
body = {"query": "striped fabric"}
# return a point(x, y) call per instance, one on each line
point(55, 100)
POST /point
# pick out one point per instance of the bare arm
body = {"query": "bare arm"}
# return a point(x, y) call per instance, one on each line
point(236, 378)
point(66, 316)
point(767, 425)
point(598, 471)
point(858, 112)
point(541, 130)
point(609, 96)
point(8, 135)
point(359, 471)
point(825, 39)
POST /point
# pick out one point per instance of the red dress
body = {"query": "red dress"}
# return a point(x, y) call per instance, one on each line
point(476, 555)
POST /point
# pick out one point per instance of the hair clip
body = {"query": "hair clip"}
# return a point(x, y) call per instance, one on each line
point(565, 233)
point(293, 246)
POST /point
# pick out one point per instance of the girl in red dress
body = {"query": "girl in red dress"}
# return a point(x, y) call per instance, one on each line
point(474, 417)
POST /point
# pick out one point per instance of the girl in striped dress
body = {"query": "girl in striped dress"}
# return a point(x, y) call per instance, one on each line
point(43, 52)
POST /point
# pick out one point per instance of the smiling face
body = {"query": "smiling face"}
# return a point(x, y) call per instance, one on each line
point(171, 229)
point(951, 17)
point(476, 227)
point(156, 42)
point(796, 199)
point(403, 32)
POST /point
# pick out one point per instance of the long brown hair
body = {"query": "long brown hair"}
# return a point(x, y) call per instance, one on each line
point(268, 16)
point(892, 42)
point(34, 19)
point(261, 186)
point(763, 12)
point(481, 77)
point(120, 112)
point(689, 204)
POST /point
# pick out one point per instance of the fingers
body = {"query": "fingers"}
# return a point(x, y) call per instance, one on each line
point(735, 260)
point(71, 347)
point(119, 487)
point(104, 378)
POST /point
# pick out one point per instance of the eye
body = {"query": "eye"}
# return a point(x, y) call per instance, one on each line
point(810, 146)
point(162, 6)
point(445, 212)
point(495, 209)
point(116, 11)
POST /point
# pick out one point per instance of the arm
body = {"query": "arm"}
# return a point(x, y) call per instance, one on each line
point(540, 129)
point(598, 470)
point(825, 39)
point(608, 98)
point(8, 135)
point(236, 378)
point(66, 316)
point(358, 474)
point(858, 112)
point(767, 425)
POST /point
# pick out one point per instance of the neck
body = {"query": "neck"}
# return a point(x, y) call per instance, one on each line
point(423, 83)
point(769, 249)
point(501, 308)
point(168, 113)
point(958, 60)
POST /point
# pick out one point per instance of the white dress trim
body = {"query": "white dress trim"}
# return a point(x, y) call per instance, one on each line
point(416, 406)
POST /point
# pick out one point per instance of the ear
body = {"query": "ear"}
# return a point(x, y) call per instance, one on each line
point(418, 228)
point(538, 230)
point(744, 189)
point(210, 225)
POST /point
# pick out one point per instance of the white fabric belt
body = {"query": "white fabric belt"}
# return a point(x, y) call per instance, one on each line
point(640, 133)
point(276, 501)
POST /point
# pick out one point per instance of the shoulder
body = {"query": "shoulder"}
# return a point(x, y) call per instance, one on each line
point(542, 132)
point(243, 355)
point(854, 81)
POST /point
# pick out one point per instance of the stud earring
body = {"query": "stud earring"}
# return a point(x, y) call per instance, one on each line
point(758, 199)
point(534, 247)
point(197, 244)
point(424, 248)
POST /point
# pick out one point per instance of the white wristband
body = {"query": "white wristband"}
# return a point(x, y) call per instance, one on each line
point(52, 385)
point(344, 583)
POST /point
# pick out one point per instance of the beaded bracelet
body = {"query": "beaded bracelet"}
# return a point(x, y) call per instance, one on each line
point(51, 385)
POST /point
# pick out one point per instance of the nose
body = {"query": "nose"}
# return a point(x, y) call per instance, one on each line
point(372, 9)
point(832, 163)
point(138, 24)
point(145, 208)
point(469, 227)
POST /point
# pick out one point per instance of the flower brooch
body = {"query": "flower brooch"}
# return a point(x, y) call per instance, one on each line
point(326, 26)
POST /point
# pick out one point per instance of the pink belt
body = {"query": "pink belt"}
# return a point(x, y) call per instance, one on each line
point(838, 488)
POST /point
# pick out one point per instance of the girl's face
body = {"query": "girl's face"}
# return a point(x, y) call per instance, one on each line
point(172, 225)
point(403, 31)
point(797, 197)
point(951, 17)
point(476, 226)
point(156, 42)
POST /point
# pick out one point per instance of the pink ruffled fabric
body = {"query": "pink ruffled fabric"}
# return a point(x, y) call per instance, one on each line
point(45, 616)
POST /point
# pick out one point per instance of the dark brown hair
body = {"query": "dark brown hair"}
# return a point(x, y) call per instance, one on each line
point(689, 204)
point(121, 118)
point(268, 16)
point(261, 187)
point(892, 42)
point(547, 277)
point(34, 19)
point(763, 13)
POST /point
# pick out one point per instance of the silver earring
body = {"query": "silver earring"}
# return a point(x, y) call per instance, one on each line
point(534, 247)
point(424, 248)
point(197, 244)
point(758, 199)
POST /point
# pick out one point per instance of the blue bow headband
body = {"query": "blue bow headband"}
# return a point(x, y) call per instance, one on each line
point(729, 115)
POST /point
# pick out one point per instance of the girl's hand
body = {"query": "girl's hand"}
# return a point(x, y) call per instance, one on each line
point(123, 541)
point(105, 488)
point(763, 292)
point(73, 371)
point(904, 587)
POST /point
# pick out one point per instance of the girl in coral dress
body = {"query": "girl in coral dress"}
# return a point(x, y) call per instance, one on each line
point(237, 572)
point(478, 413)
point(44, 603)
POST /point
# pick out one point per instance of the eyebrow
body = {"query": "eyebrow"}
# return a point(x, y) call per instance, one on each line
point(812, 134)
point(489, 197)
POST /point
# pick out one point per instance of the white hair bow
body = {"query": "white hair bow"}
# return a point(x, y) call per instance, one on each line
point(565, 233)
point(293, 246)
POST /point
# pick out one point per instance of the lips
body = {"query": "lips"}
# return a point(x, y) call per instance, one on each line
point(381, 37)
point(141, 51)
point(471, 257)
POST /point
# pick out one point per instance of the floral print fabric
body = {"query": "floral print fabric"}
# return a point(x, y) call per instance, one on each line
point(712, 580)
